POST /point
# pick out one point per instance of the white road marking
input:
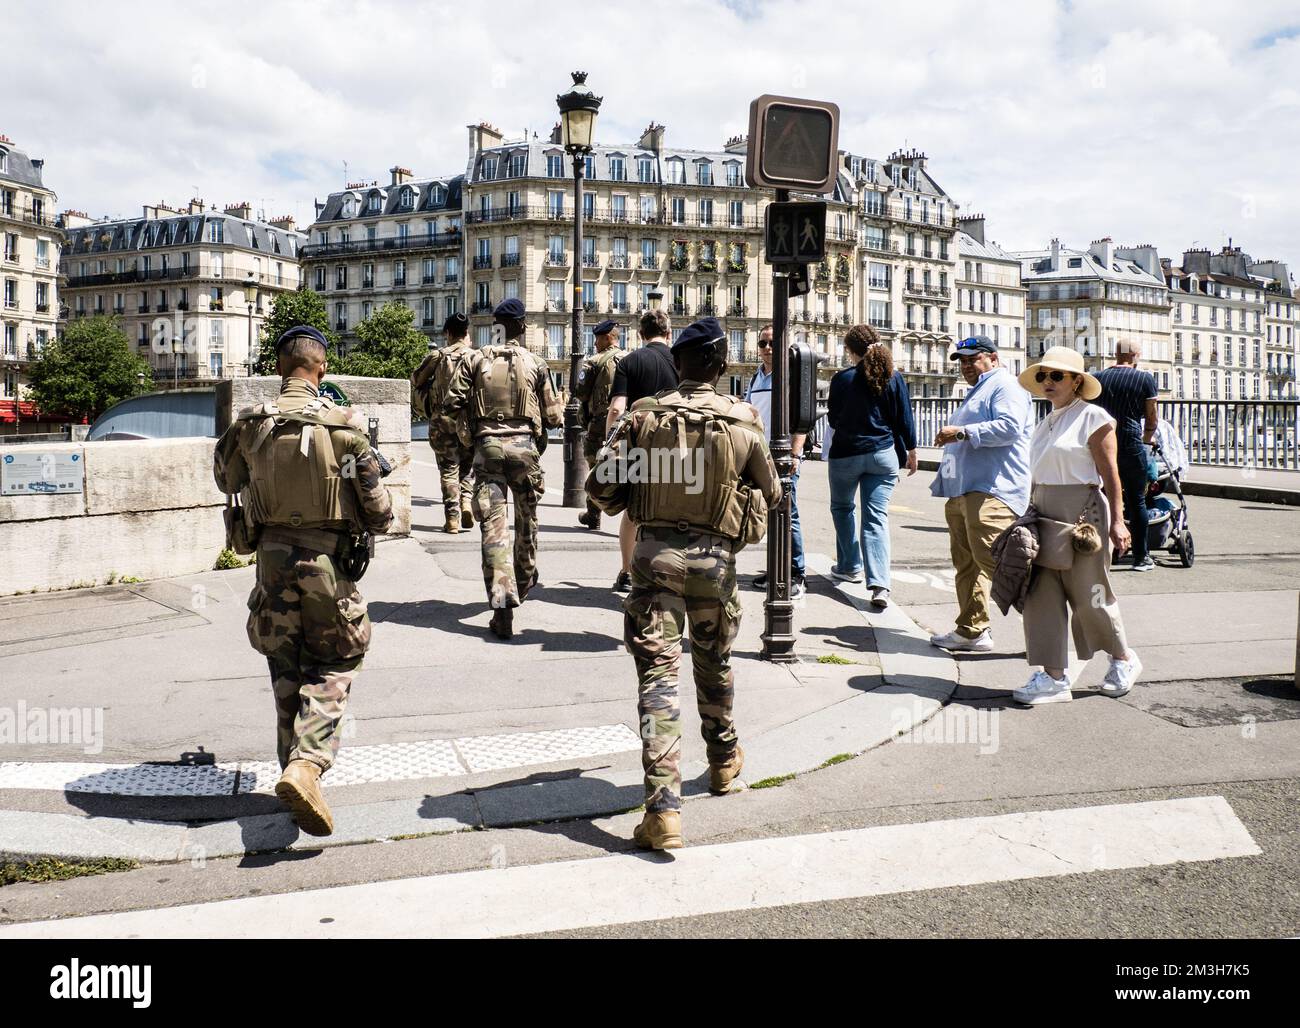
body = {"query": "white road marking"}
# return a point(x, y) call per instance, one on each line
point(424, 463)
point(628, 889)
point(356, 765)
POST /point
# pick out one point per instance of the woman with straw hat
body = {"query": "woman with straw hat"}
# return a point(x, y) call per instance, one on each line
point(1071, 462)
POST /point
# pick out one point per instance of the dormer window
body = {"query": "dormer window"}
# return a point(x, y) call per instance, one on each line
point(408, 198)
point(676, 170)
point(704, 173)
point(617, 171)
point(489, 168)
point(373, 204)
point(733, 173)
point(437, 196)
point(554, 165)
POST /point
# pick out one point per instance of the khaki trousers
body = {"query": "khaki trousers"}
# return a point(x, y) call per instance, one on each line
point(975, 520)
point(1077, 602)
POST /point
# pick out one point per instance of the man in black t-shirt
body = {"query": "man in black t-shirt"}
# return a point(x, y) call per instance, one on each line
point(1129, 396)
point(644, 372)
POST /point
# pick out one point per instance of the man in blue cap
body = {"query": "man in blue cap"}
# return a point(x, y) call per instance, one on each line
point(708, 482)
point(509, 402)
point(595, 384)
point(309, 482)
point(984, 476)
point(448, 433)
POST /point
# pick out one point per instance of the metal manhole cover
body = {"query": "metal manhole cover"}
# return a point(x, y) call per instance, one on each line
point(1213, 702)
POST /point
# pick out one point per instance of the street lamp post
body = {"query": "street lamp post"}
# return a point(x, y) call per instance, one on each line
point(250, 297)
point(578, 109)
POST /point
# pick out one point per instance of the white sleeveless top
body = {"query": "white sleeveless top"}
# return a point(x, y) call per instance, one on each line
point(1058, 452)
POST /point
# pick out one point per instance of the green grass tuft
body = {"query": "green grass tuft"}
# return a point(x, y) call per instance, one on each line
point(839, 758)
point(834, 658)
point(51, 869)
point(773, 782)
point(227, 560)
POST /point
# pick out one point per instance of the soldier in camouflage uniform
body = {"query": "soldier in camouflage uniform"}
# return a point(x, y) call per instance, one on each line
point(595, 384)
point(683, 565)
point(448, 435)
point(309, 479)
point(507, 394)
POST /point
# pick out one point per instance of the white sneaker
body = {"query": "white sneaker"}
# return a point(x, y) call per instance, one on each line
point(1043, 688)
point(1122, 674)
point(851, 576)
point(879, 597)
point(954, 640)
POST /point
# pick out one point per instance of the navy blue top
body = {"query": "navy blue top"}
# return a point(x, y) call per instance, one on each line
point(866, 421)
point(1124, 394)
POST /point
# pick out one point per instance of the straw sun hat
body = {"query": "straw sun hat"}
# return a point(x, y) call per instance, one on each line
point(1061, 358)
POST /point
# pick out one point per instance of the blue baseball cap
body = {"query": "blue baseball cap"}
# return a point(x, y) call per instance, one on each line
point(972, 345)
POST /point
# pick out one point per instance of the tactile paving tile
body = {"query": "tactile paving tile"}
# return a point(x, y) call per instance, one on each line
point(494, 752)
point(121, 779)
point(387, 762)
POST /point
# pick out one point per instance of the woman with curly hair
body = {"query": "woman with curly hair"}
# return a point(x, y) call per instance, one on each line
point(874, 436)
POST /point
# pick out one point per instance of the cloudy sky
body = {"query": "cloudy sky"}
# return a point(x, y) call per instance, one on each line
point(1173, 122)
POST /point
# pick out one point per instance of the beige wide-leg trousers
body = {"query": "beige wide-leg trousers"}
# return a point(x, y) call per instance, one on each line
point(1077, 602)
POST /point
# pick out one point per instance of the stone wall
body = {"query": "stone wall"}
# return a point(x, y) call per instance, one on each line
point(150, 508)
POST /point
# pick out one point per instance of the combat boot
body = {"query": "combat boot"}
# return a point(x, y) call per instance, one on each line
point(453, 522)
point(661, 831)
point(466, 515)
point(299, 790)
point(721, 776)
point(502, 624)
point(589, 519)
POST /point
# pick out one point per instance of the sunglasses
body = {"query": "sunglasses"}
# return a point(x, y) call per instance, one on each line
point(764, 344)
point(1055, 376)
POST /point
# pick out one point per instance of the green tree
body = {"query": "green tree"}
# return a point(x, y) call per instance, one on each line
point(300, 307)
point(388, 345)
point(90, 368)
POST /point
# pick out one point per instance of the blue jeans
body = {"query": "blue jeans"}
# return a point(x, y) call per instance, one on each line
point(874, 475)
point(796, 533)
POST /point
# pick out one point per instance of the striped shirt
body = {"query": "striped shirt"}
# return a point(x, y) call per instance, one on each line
point(1124, 394)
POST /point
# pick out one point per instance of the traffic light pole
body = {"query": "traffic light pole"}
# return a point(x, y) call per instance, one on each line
point(778, 610)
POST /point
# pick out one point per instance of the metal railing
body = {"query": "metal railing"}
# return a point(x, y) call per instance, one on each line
point(1244, 434)
point(355, 246)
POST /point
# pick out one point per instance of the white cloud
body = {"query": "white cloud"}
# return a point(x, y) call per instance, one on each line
point(1160, 121)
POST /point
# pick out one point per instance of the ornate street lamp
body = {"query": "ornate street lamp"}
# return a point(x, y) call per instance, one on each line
point(578, 109)
point(250, 298)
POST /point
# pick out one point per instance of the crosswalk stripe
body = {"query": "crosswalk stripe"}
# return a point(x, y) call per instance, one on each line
point(626, 889)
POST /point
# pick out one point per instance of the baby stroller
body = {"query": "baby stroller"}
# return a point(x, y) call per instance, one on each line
point(1167, 527)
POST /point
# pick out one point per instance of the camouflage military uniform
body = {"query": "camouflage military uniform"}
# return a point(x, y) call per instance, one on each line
point(597, 384)
point(305, 616)
point(448, 434)
point(506, 464)
point(686, 580)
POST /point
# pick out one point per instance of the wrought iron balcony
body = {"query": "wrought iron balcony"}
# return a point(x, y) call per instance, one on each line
point(418, 242)
point(649, 263)
point(620, 261)
point(555, 306)
point(481, 307)
point(482, 260)
point(680, 310)
point(557, 260)
point(590, 261)
point(707, 310)
point(510, 260)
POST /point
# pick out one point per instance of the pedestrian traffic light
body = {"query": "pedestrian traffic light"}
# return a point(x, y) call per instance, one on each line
point(793, 143)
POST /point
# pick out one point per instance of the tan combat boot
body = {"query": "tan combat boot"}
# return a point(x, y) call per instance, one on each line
point(299, 790)
point(453, 522)
point(661, 831)
point(466, 515)
point(722, 776)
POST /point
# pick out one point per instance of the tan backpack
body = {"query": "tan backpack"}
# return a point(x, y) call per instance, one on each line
point(295, 478)
point(690, 454)
point(504, 381)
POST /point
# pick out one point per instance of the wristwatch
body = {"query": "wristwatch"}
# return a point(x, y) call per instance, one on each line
point(961, 434)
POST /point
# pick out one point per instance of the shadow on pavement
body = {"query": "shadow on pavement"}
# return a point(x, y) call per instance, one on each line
point(545, 796)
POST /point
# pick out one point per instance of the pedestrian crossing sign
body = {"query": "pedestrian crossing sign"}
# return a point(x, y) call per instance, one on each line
point(795, 232)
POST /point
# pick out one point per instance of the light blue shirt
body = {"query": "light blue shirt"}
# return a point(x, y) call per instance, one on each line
point(997, 415)
point(759, 394)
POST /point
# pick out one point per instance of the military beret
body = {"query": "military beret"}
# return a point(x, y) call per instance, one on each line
point(511, 308)
point(604, 327)
point(456, 323)
point(700, 333)
point(301, 330)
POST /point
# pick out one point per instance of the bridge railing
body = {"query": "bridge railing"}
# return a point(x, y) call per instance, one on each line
point(1223, 433)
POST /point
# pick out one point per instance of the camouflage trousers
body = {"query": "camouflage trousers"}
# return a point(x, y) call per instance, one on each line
point(591, 444)
point(311, 624)
point(504, 467)
point(681, 580)
point(455, 468)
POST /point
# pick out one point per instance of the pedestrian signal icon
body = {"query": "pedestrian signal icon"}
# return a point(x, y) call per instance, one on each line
point(796, 232)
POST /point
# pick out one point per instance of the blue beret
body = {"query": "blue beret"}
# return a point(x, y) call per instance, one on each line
point(699, 333)
point(301, 330)
point(511, 308)
point(456, 323)
point(605, 326)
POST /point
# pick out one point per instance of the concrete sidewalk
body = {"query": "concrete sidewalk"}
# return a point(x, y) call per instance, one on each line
point(449, 729)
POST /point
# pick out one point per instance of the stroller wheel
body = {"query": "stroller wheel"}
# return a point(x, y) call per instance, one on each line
point(1187, 550)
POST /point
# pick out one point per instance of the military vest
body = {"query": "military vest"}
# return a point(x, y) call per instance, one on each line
point(505, 381)
point(295, 477)
point(594, 385)
point(684, 472)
